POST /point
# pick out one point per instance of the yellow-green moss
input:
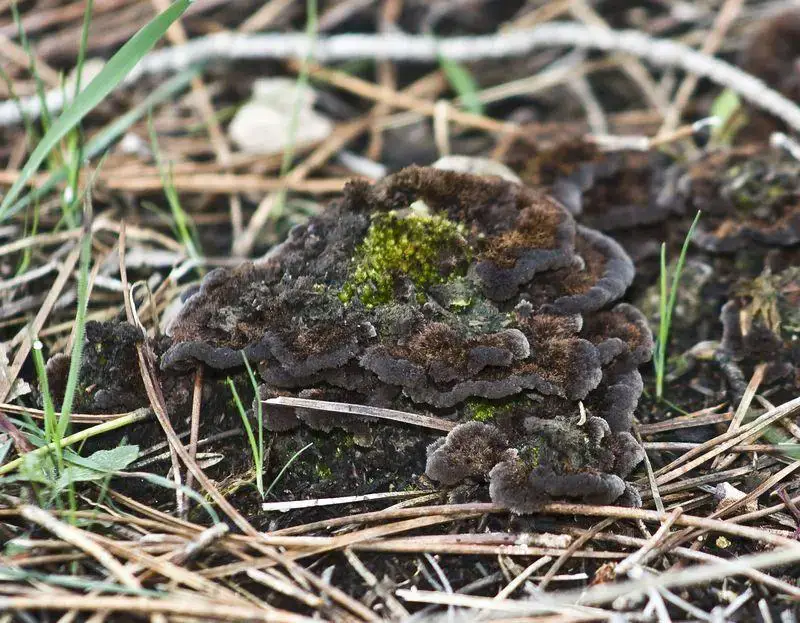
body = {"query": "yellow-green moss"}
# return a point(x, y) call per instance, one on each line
point(323, 472)
point(479, 410)
point(530, 455)
point(424, 249)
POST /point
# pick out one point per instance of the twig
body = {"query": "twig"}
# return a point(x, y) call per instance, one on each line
point(347, 499)
point(720, 444)
point(79, 539)
point(196, 606)
point(573, 550)
point(394, 606)
point(38, 322)
point(605, 593)
point(194, 426)
point(726, 16)
point(721, 462)
point(202, 101)
point(424, 421)
point(640, 556)
point(401, 47)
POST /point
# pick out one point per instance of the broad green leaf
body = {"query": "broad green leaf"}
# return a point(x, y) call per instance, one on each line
point(463, 83)
point(96, 91)
point(98, 465)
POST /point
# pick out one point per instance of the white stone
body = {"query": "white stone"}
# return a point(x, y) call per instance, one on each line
point(264, 124)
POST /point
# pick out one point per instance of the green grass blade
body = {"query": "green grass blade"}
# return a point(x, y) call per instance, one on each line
point(463, 83)
point(673, 294)
point(77, 345)
point(667, 306)
point(110, 133)
point(291, 460)
point(257, 465)
point(658, 361)
point(260, 424)
point(96, 91)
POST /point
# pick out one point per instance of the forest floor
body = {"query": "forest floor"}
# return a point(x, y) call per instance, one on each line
point(129, 492)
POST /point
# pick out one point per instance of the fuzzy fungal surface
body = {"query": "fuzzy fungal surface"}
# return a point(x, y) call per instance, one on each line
point(747, 197)
point(761, 325)
point(469, 297)
point(609, 192)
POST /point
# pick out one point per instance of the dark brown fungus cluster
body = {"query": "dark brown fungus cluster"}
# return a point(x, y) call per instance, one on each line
point(746, 197)
point(608, 192)
point(619, 193)
point(473, 297)
point(109, 380)
point(761, 324)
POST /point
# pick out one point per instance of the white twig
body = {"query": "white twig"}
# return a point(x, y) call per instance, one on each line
point(414, 419)
point(401, 47)
point(349, 499)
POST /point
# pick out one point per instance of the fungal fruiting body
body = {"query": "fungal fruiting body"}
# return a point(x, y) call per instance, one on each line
point(451, 293)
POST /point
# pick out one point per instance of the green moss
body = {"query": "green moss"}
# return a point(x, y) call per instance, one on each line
point(530, 455)
point(426, 250)
point(481, 411)
point(323, 472)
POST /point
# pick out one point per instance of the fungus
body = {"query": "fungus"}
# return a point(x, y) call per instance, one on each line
point(746, 198)
point(549, 459)
point(772, 52)
point(608, 192)
point(109, 380)
point(761, 323)
point(442, 290)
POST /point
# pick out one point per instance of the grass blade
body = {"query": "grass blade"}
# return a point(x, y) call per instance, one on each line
point(109, 134)
point(109, 77)
point(463, 83)
point(258, 465)
point(667, 306)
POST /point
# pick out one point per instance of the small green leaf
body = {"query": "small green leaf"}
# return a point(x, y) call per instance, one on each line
point(96, 91)
point(97, 466)
point(463, 83)
point(727, 107)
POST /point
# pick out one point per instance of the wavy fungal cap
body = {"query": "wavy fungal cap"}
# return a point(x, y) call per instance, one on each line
point(470, 296)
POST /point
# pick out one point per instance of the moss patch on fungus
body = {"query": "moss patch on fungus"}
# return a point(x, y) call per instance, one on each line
point(426, 250)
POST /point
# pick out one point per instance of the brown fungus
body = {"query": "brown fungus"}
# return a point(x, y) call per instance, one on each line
point(746, 198)
point(608, 192)
point(555, 459)
point(109, 380)
point(439, 290)
point(761, 324)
